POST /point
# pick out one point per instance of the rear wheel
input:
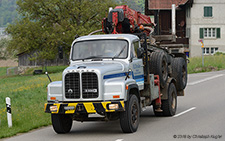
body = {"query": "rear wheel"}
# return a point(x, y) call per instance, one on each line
point(179, 72)
point(129, 119)
point(169, 106)
point(62, 123)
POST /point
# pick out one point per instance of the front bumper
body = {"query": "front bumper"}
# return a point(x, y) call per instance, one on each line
point(86, 107)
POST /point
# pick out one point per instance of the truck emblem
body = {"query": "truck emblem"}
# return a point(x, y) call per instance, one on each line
point(70, 91)
point(90, 90)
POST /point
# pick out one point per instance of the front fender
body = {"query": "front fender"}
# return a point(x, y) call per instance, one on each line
point(55, 91)
point(164, 91)
point(132, 89)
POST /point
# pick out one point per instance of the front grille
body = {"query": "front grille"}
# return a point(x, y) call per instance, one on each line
point(72, 85)
point(89, 85)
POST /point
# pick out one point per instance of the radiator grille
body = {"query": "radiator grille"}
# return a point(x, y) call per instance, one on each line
point(89, 85)
point(72, 85)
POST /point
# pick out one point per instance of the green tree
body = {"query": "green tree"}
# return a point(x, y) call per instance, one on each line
point(48, 23)
point(3, 53)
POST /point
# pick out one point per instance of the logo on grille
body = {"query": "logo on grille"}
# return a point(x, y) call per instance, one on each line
point(70, 91)
point(90, 90)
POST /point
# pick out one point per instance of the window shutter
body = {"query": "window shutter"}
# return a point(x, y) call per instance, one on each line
point(218, 33)
point(205, 12)
point(201, 33)
point(210, 12)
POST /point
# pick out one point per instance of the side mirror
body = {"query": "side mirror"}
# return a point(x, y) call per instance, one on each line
point(60, 51)
point(140, 52)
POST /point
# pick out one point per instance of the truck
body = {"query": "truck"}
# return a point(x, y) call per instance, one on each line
point(116, 75)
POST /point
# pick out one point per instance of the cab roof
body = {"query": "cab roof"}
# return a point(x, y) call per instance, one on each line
point(128, 37)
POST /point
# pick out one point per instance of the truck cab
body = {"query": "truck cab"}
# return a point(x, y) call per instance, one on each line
point(115, 76)
point(103, 70)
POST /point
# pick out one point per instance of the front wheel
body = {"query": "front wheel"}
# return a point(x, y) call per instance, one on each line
point(62, 123)
point(129, 119)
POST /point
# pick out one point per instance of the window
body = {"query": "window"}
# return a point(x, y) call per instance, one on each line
point(135, 45)
point(208, 11)
point(209, 33)
point(106, 48)
point(205, 50)
point(214, 50)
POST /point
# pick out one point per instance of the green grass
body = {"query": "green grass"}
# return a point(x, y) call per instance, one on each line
point(3, 71)
point(28, 95)
point(211, 63)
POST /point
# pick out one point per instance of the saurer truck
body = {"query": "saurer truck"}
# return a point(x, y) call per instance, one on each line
point(116, 75)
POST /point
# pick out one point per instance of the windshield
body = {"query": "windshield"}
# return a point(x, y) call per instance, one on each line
point(100, 49)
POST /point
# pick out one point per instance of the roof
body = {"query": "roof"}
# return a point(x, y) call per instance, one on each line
point(129, 37)
point(164, 4)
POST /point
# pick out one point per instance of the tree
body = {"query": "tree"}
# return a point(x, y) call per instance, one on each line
point(138, 5)
point(46, 24)
point(3, 52)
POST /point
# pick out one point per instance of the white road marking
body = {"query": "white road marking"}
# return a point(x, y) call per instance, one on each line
point(185, 112)
point(119, 140)
point(203, 80)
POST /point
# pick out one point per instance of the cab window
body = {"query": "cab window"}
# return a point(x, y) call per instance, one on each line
point(134, 47)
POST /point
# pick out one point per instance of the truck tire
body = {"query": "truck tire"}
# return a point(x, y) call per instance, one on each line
point(62, 123)
point(179, 72)
point(129, 119)
point(169, 106)
point(159, 66)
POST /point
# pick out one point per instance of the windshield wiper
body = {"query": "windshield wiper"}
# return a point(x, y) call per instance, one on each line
point(117, 55)
point(92, 57)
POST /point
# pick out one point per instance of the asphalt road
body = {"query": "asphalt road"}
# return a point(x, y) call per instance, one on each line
point(200, 116)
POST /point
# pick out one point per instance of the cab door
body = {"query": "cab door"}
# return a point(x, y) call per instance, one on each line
point(136, 65)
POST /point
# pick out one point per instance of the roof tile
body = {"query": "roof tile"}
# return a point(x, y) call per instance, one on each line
point(164, 4)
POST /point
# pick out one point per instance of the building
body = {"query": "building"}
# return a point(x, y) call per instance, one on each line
point(195, 20)
point(206, 21)
point(24, 60)
point(162, 12)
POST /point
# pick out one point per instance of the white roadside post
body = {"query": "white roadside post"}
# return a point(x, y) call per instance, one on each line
point(9, 115)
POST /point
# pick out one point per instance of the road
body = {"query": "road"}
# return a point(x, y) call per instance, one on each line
point(200, 116)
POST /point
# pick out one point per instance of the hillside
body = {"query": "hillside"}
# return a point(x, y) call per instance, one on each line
point(7, 12)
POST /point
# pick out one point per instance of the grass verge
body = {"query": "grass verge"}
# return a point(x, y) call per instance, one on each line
point(3, 71)
point(28, 95)
point(211, 63)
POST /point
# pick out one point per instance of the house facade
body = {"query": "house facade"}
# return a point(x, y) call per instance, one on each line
point(196, 20)
point(206, 22)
